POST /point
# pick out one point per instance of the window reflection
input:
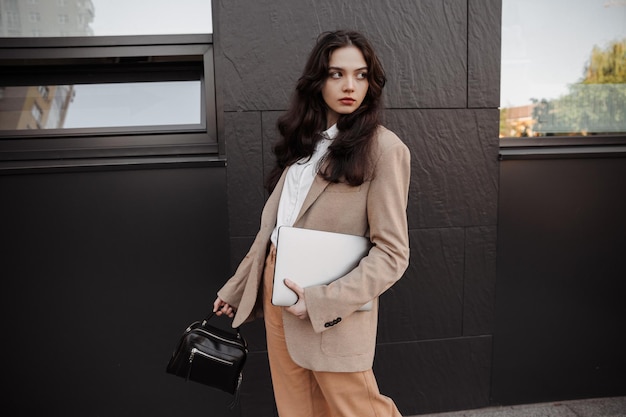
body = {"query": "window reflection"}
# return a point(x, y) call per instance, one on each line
point(28, 18)
point(51, 18)
point(100, 105)
point(563, 68)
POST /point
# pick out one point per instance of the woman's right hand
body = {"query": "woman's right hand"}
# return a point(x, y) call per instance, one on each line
point(222, 307)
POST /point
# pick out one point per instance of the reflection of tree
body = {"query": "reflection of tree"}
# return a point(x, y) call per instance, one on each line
point(608, 66)
point(596, 104)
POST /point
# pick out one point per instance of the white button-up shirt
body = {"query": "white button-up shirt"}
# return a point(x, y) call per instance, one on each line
point(298, 182)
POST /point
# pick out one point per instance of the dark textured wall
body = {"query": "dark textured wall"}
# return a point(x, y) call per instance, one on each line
point(102, 270)
point(443, 63)
point(561, 269)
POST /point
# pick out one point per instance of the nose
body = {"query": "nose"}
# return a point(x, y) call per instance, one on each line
point(349, 84)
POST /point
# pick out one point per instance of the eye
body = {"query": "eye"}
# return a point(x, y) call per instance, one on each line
point(334, 74)
point(362, 75)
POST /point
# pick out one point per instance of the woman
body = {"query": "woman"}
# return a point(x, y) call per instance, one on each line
point(337, 170)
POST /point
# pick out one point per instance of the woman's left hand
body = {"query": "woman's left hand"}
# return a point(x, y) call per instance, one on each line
point(299, 308)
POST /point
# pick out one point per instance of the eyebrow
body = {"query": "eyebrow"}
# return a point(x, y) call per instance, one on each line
point(343, 69)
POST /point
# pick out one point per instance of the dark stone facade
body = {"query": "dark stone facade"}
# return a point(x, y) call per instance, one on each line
point(442, 59)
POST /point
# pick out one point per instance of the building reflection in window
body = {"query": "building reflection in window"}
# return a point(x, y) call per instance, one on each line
point(50, 18)
point(563, 68)
point(101, 105)
point(26, 18)
point(33, 107)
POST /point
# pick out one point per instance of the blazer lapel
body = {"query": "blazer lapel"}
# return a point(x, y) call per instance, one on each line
point(319, 185)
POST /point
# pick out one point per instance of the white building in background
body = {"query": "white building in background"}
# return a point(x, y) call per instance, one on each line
point(40, 106)
point(49, 18)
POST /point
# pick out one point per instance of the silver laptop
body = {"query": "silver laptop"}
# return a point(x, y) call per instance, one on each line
point(314, 257)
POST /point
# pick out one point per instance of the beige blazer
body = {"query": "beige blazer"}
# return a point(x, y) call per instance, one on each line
point(337, 337)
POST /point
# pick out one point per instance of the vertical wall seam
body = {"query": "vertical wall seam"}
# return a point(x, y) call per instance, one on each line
point(467, 54)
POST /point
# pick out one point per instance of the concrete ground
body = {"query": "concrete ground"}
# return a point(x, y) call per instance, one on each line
point(596, 407)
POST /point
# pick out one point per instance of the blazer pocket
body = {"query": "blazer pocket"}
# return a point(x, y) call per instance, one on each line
point(349, 338)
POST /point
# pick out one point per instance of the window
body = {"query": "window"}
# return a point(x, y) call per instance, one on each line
point(73, 98)
point(109, 17)
point(563, 68)
point(134, 104)
point(76, 82)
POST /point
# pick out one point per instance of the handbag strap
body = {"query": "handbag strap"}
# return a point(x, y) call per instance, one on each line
point(211, 315)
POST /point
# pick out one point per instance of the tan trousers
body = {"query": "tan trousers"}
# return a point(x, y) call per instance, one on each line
point(300, 392)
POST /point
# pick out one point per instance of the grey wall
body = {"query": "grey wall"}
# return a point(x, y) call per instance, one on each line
point(443, 61)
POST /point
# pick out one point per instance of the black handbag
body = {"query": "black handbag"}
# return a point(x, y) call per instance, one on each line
point(210, 356)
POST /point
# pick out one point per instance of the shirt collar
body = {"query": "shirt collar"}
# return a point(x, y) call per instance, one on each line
point(331, 132)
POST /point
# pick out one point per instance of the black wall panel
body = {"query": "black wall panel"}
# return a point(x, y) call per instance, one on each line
point(560, 292)
point(101, 273)
point(434, 375)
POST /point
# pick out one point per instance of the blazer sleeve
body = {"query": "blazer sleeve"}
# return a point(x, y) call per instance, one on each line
point(242, 288)
point(389, 256)
point(232, 290)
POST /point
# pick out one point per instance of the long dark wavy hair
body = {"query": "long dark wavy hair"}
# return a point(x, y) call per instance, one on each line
point(301, 125)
